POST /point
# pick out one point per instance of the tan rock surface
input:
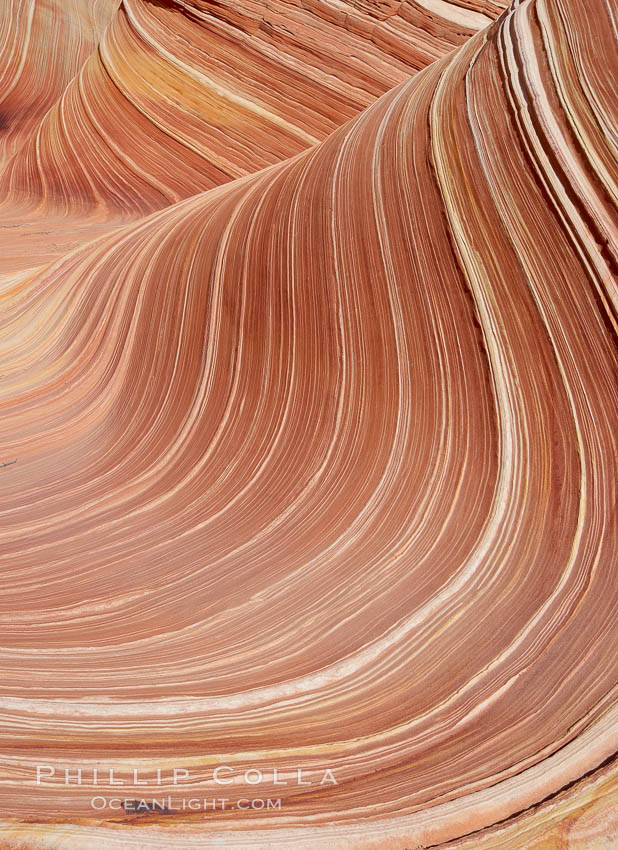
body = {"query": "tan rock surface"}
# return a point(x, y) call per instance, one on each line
point(317, 469)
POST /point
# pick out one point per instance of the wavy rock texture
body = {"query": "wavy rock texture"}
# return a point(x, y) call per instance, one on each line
point(316, 468)
point(43, 45)
point(109, 111)
point(182, 96)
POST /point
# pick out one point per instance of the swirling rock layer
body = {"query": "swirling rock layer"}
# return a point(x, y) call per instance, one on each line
point(316, 469)
point(181, 96)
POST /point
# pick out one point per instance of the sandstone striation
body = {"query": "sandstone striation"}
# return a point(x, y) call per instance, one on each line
point(316, 447)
